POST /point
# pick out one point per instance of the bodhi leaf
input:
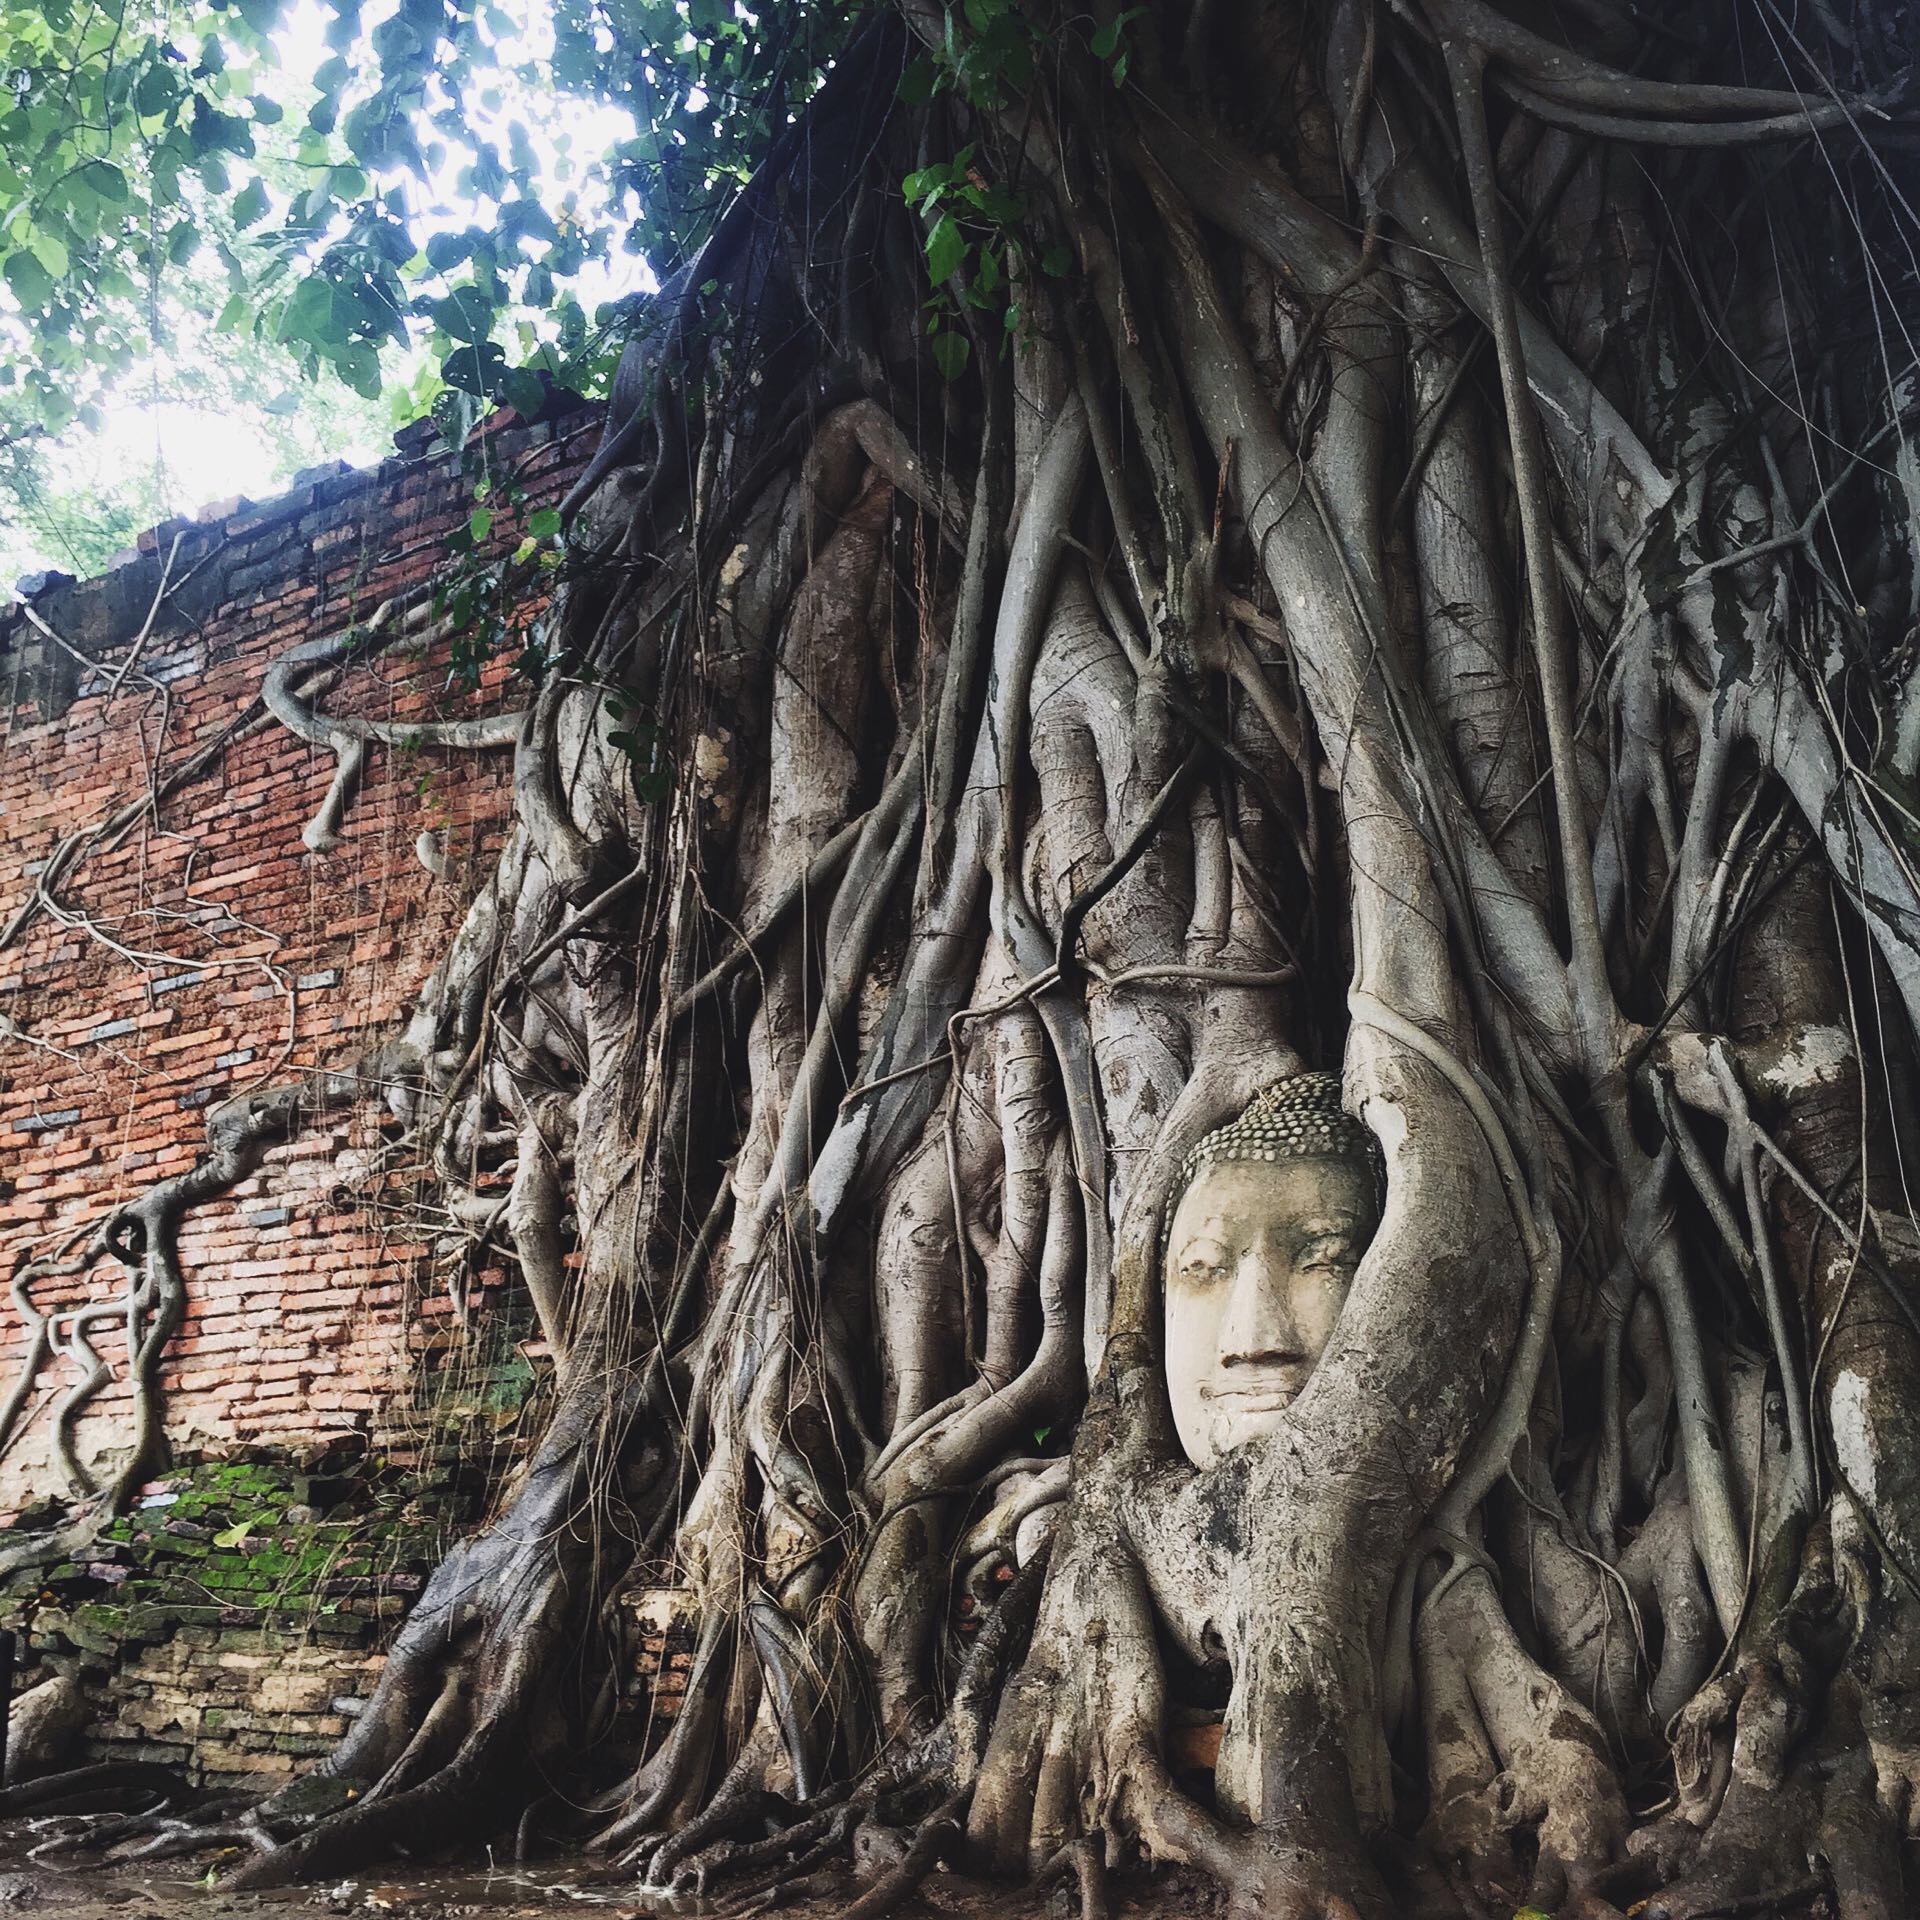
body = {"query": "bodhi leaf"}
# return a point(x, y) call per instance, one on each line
point(946, 249)
point(951, 351)
point(31, 282)
point(466, 315)
point(250, 204)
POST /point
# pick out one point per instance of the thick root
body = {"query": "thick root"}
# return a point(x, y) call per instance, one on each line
point(1489, 1702)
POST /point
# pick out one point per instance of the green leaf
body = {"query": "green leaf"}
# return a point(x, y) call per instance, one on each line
point(445, 251)
point(523, 392)
point(477, 370)
point(358, 365)
point(918, 82)
point(308, 316)
point(1107, 38)
point(951, 352)
point(214, 132)
point(250, 203)
point(30, 281)
point(544, 524)
point(50, 250)
point(1055, 261)
point(479, 524)
point(946, 250)
point(104, 179)
point(156, 90)
point(466, 314)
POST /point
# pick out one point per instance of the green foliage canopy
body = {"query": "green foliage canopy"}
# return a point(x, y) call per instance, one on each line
point(417, 186)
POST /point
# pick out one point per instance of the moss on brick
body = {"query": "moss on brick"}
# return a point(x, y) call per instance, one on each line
point(238, 1571)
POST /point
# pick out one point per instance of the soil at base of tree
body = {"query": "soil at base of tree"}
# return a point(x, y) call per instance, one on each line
point(544, 1892)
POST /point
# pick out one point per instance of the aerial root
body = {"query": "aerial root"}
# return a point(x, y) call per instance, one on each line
point(1781, 1898)
point(416, 1821)
point(74, 1806)
point(1319, 1871)
point(1858, 1845)
point(772, 1868)
point(1747, 1819)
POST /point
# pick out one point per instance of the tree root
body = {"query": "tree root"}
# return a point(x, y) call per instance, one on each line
point(93, 1789)
point(1491, 1705)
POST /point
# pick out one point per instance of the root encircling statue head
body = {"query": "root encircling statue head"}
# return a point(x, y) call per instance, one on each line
point(1270, 1217)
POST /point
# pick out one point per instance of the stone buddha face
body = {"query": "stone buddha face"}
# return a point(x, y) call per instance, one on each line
point(1275, 1214)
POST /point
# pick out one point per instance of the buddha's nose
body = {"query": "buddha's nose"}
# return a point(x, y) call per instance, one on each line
point(1259, 1323)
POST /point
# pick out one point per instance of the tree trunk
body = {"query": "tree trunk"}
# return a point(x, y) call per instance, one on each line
point(1391, 548)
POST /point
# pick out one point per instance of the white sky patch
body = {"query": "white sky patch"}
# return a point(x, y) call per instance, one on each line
point(211, 455)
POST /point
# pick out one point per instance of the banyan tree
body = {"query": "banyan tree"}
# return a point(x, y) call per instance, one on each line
point(1198, 1029)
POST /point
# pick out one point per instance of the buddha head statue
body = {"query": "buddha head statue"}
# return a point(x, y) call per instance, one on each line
point(1269, 1218)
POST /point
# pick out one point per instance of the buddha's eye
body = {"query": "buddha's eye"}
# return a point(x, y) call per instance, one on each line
point(1328, 1256)
point(1201, 1265)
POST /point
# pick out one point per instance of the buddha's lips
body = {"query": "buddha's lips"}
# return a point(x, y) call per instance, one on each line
point(1282, 1384)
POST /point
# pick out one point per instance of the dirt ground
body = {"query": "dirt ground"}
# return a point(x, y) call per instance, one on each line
point(172, 1893)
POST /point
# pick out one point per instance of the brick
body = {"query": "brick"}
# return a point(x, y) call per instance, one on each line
point(301, 1316)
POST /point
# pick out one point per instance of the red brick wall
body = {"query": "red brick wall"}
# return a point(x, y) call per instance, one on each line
point(216, 953)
